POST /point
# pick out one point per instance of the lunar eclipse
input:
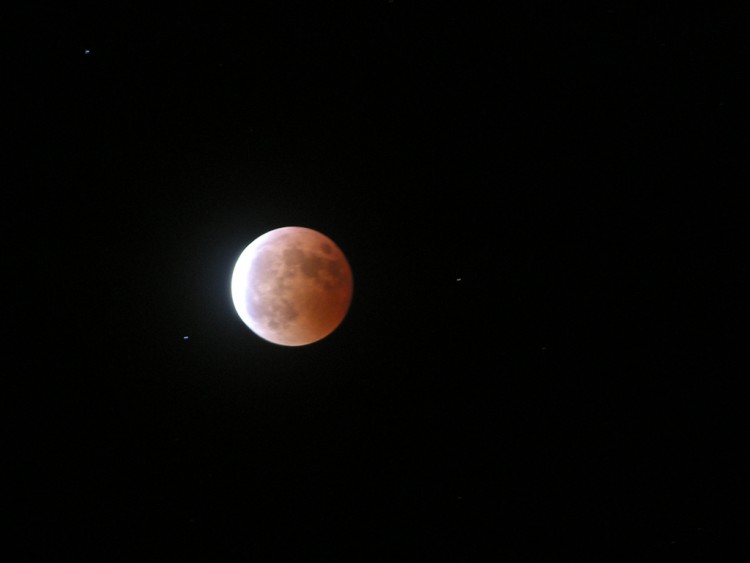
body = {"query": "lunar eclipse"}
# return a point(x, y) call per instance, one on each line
point(292, 286)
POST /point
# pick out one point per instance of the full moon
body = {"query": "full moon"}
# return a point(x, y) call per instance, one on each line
point(292, 286)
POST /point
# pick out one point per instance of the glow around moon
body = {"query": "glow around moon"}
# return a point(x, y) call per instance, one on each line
point(292, 286)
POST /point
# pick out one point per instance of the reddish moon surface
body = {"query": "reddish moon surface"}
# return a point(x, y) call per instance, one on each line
point(292, 286)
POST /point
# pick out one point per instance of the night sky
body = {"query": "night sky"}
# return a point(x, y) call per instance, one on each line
point(544, 352)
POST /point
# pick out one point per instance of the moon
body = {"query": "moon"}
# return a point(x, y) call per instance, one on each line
point(292, 286)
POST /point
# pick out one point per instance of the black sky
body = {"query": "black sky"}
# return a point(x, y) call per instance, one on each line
point(541, 210)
